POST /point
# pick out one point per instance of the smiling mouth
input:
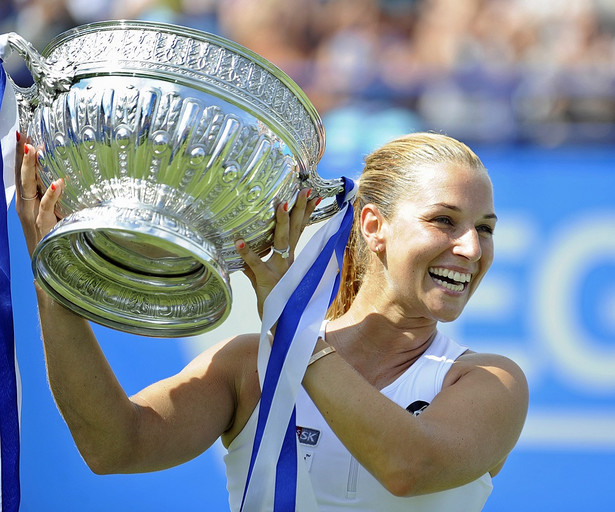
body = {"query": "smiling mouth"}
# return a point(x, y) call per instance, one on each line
point(449, 279)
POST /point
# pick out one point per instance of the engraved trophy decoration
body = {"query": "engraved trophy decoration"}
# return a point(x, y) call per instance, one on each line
point(172, 143)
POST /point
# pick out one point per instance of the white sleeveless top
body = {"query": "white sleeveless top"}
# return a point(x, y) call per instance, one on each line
point(338, 480)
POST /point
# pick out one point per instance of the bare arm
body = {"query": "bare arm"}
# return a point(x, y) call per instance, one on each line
point(167, 423)
point(468, 429)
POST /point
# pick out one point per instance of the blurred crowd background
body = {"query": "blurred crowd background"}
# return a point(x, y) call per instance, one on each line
point(522, 71)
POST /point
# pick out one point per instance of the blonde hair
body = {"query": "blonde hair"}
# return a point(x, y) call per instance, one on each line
point(388, 176)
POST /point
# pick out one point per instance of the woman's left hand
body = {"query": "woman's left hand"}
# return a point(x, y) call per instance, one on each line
point(37, 210)
point(265, 274)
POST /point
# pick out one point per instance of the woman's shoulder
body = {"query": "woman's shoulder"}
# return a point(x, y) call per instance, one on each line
point(472, 358)
point(483, 363)
point(231, 354)
point(244, 344)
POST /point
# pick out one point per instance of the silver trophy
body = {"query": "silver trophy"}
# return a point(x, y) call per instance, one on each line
point(173, 143)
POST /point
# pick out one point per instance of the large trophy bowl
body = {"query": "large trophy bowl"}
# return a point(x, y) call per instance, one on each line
point(173, 143)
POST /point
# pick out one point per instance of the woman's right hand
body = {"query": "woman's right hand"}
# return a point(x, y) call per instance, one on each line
point(265, 274)
point(37, 213)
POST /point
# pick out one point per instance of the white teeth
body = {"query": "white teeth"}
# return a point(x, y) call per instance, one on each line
point(452, 287)
point(451, 274)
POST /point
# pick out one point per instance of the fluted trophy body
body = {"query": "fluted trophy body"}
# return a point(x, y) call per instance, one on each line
point(173, 143)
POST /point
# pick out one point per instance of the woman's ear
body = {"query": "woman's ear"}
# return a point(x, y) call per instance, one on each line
point(373, 227)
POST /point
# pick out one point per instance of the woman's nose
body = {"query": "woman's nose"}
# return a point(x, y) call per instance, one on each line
point(468, 245)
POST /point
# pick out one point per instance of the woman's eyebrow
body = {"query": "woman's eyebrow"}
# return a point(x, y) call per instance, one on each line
point(457, 209)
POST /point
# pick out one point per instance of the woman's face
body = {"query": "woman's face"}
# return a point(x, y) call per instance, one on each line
point(439, 244)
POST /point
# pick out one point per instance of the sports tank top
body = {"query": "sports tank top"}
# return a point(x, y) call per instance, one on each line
point(339, 481)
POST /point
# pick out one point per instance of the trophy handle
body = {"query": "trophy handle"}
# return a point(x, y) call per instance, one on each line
point(49, 80)
point(325, 189)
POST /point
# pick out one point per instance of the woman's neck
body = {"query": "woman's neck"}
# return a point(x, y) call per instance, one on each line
point(379, 346)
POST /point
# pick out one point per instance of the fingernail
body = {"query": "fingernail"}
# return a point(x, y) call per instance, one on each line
point(53, 186)
point(18, 136)
point(286, 206)
point(241, 245)
point(318, 201)
point(25, 149)
point(309, 192)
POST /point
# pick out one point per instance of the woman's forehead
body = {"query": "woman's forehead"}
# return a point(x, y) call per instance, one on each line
point(450, 184)
point(451, 175)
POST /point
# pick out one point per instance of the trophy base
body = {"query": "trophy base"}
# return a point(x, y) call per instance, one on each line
point(135, 269)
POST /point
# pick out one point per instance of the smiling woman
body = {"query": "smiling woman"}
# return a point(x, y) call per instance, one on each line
point(392, 414)
point(422, 240)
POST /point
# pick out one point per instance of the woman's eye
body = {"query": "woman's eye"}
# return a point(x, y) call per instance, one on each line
point(485, 229)
point(444, 220)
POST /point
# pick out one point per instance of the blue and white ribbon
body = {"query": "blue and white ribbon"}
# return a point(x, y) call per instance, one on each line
point(298, 305)
point(9, 375)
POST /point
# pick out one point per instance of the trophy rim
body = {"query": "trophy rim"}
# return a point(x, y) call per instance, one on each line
point(203, 37)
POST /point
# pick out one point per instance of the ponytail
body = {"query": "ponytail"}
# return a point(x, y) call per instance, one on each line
point(353, 268)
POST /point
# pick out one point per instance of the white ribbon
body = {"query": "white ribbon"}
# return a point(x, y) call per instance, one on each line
point(259, 494)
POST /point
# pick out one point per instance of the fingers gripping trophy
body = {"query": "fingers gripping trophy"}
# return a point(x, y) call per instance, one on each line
point(172, 144)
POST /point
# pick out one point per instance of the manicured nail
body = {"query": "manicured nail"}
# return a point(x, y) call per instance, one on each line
point(241, 245)
point(25, 149)
point(53, 186)
point(286, 206)
point(18, 136)
point(318, 201)
point(309, 192)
